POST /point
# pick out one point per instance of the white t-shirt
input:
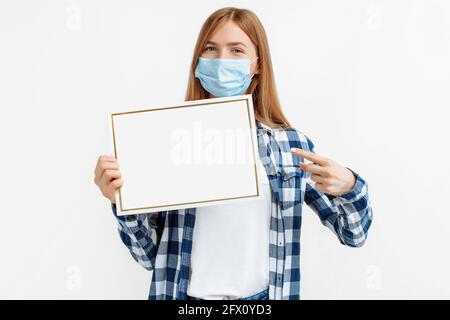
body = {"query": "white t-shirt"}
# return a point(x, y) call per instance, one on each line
point(230, 249)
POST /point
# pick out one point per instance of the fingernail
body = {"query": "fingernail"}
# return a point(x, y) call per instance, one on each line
point(293, 149)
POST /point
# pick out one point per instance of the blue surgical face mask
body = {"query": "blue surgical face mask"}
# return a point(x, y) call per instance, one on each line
point(224, 77)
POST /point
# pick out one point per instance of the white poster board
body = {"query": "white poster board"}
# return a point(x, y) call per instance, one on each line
point(193, 154)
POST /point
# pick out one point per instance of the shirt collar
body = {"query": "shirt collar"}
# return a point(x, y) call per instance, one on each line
point(263, 128)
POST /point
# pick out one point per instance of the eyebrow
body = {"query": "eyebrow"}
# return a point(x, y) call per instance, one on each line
point(229, 43)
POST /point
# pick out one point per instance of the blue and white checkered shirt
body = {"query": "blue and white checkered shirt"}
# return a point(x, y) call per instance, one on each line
point(162, 241)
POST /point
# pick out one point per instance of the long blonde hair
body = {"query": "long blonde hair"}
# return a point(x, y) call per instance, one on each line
point(266, 104)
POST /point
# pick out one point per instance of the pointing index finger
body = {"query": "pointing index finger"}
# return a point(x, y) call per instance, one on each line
point(309, 155)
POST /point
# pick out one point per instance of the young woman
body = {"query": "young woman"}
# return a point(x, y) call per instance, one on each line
point(248, 250)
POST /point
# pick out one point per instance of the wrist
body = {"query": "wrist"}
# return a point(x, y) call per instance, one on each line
point(352, 181)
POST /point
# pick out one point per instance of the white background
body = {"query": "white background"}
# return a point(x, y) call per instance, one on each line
point(367, 81)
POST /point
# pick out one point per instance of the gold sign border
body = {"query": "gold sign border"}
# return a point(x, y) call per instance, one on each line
point(186, 106)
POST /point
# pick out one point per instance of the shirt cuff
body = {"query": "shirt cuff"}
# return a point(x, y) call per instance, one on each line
point(359, 189)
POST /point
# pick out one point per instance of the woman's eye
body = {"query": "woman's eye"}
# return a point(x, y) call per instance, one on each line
point(210, 49)
point(237, 50)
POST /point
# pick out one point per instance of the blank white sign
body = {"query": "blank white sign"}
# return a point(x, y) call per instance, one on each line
point(194, 154)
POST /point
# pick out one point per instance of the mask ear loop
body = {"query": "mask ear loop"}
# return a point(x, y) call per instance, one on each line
point(250, 64)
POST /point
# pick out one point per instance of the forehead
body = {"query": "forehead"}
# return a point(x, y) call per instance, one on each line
point(229, 32)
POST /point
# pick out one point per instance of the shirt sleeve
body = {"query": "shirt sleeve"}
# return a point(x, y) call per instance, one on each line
point(348, 216)
point(140, 235)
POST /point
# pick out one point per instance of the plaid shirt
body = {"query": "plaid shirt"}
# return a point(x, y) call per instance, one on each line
point(162, 241)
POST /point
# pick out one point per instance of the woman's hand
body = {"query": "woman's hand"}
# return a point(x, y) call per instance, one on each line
point(329, 176)
point(107, 176)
